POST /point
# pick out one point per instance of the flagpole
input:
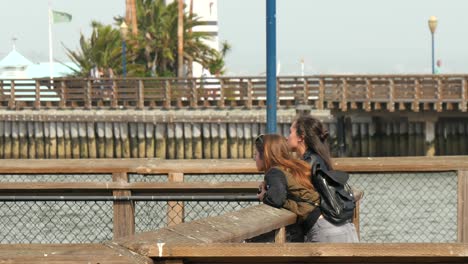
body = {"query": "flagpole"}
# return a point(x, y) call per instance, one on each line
point(51, 58)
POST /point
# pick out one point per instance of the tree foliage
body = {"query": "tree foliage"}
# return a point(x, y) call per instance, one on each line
point(153, 51)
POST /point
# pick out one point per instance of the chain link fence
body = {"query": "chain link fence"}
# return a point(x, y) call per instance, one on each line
point(397, 207)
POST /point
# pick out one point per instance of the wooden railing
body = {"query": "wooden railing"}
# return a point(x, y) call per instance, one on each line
point(214, 240)
point(341, 92)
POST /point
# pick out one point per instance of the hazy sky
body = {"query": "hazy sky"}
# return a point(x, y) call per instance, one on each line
point(332, 36)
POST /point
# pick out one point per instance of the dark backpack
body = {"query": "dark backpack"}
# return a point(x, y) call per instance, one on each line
point(337, 201)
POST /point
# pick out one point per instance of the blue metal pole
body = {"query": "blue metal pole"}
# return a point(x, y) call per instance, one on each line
point(271, 65)
point(124, 58)
point(433, 63)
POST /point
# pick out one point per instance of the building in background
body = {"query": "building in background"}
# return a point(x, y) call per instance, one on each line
point(15, 66)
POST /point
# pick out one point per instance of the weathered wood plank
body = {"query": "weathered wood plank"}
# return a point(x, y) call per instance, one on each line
point(236, 227)
point(67, 254)
point(315, 252)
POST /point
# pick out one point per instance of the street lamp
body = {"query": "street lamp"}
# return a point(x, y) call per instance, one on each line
point(432, 26)
point(123, 33)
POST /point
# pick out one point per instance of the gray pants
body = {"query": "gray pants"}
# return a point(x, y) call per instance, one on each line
point(324, 231)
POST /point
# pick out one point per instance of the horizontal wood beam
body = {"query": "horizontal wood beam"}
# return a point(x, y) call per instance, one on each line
point(316, 251)
point(150, 186)
point(220, 166)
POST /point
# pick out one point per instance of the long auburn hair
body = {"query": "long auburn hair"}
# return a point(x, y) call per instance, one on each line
point(273, 150)
point(315, 136)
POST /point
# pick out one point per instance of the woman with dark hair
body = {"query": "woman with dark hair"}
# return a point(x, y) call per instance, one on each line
point(308, 138)
point(286, 183)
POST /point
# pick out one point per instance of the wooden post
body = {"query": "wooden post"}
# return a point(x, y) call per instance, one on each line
point(63, 97)
point(27, 149)
point(439, 95)
point(194, 93)
point(221, 103)
point(462, 206)
point(344, 95)
point(133, 140)
point(464, 89)
point(88, 99)
point(11, 102)
point(175, 209)
point(367, 102)
point(223, 145)
point(141, 95)
point(280, 235)
point(391, 98)
point(124, 211)
point(417, 95)
point(167, 95)
point(37, 102)
point(115, 99)
point(109, 140)
point(214, 141)
point(321, 99)
point(248, 103)
point(2, 144)
point(179, 140)
point(429, 135)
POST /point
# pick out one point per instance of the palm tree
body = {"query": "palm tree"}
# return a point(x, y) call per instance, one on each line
point(102, 50)
point(158, 24)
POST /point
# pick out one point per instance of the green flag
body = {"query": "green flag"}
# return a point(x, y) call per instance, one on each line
point(59, 17)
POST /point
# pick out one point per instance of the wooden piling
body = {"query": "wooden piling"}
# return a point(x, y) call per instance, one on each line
point(133, 140)
point(7, 153)
point(100, 142)
point(197, 141)
point(91, 134)
point(39, 139)
point(2, 141)
point(117, 140)
point(171, 141)
point(206, 141)
point(241, 140)
point(403, 141)
point(15, 146)
point(125, 140)
point(223, 145)
point(52, 142)
point(109, 140)
point(214, 140)
point(355, 140)
point(46, 140)
point(232, 141)
point(364, 139)
point(60, 141)
point(187, 139)
point(141, 140)
point(75, 141)
point(27, 142)
point(248, 141)
point(149, 138)
point(179, 140)
point(160, 134)
point(372, 139)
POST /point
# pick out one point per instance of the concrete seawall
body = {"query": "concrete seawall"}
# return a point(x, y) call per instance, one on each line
point(197, 134)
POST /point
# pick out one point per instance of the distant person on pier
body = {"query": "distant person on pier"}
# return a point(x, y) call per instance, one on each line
point(308, 138)
point(286, 183)
point(438, 67)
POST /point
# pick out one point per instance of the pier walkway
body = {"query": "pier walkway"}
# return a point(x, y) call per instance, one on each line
point(340, 92)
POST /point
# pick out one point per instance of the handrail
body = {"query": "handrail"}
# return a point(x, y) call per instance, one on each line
point(233, 166)
point(342, 92)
